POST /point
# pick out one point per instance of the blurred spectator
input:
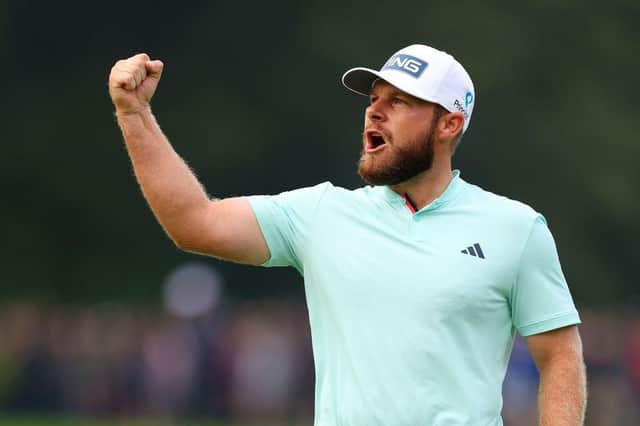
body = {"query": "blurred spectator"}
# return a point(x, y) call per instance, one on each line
point(249, 363)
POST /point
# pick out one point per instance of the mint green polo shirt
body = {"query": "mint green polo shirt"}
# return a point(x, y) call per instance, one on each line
point(413, 316)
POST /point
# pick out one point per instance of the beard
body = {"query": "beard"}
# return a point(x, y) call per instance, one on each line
point(399, 163)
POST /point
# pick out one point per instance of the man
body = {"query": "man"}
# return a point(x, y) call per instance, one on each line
point(415, 284)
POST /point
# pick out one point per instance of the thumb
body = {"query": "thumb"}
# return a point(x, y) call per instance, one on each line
point(154, 69)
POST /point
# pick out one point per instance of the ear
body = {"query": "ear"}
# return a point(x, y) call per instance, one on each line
point(450, 126)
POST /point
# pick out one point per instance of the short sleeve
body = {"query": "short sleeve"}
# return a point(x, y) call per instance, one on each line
point(541, 300)
point(286, 220)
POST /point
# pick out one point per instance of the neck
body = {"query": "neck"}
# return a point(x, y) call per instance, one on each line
point(426, 186)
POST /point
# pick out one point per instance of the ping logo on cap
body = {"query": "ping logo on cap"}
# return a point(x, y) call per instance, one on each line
point(407, 64)
point(468, 99)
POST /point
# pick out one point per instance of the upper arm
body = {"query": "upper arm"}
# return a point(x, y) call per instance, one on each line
point(562, 344)
point(540, 299)
point(269, 230)
point(227, 229)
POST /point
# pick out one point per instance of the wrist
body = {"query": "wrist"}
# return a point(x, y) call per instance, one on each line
point(134, 122)
point(141, 112)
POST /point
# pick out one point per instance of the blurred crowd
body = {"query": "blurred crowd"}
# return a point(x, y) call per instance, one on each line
point(247, 363)
point(244, 362)
point(611, 343)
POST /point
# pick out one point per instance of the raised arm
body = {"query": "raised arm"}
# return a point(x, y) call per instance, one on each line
point(562, 394)
point(226, 228)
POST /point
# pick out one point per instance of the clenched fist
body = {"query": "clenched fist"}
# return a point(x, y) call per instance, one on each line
point(133, 81)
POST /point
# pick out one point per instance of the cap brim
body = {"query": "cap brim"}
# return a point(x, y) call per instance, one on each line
point(360, 80)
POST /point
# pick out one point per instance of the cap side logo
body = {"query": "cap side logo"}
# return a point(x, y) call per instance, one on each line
point(468, 99)
point(407, 64)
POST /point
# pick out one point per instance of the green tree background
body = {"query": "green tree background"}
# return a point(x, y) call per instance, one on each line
point(252, 100)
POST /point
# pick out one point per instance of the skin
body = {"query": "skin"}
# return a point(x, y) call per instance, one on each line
point(406, 120)
point(390, 163)
point(562, 393)
point(228, 229)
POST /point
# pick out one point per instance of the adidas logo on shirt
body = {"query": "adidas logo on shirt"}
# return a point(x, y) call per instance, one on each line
point(474, 250)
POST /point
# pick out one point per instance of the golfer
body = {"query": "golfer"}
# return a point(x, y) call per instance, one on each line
point(416, 283)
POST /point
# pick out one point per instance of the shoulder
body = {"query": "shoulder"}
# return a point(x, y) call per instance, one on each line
point(327, 190)
point(499, 204)
point(329, 200)
point(305, 196)
point(309, 191)
point(508, 214)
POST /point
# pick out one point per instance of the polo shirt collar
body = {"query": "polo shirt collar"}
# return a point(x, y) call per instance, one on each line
point(452, 190)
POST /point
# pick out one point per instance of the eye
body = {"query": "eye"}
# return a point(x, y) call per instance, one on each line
point(372, 99)
point(399, 101)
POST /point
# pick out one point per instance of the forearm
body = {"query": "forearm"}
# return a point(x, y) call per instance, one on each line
point(169, 186)
point(562, 393)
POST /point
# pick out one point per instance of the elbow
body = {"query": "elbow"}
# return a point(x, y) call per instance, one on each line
point(193, 233)
point(182, 240)
point(183, 243)
point(195, 242)
point(179, 244)
point(186, 233)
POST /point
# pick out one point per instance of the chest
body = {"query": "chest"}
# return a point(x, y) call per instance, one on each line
point(439, 264)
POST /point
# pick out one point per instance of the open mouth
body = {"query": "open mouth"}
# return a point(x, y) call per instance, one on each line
point(375, 141)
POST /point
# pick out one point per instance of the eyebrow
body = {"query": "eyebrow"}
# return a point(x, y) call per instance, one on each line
point(393, 92)
point(396, 92)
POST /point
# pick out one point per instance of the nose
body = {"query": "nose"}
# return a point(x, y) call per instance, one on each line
point(375, 112)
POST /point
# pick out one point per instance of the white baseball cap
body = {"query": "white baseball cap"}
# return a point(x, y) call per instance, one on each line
point(424, 72)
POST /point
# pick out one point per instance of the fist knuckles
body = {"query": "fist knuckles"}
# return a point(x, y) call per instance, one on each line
point(129, 73)
point(133, 81)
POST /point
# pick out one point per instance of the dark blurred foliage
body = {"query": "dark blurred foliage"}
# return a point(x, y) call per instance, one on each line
point(251, 98)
